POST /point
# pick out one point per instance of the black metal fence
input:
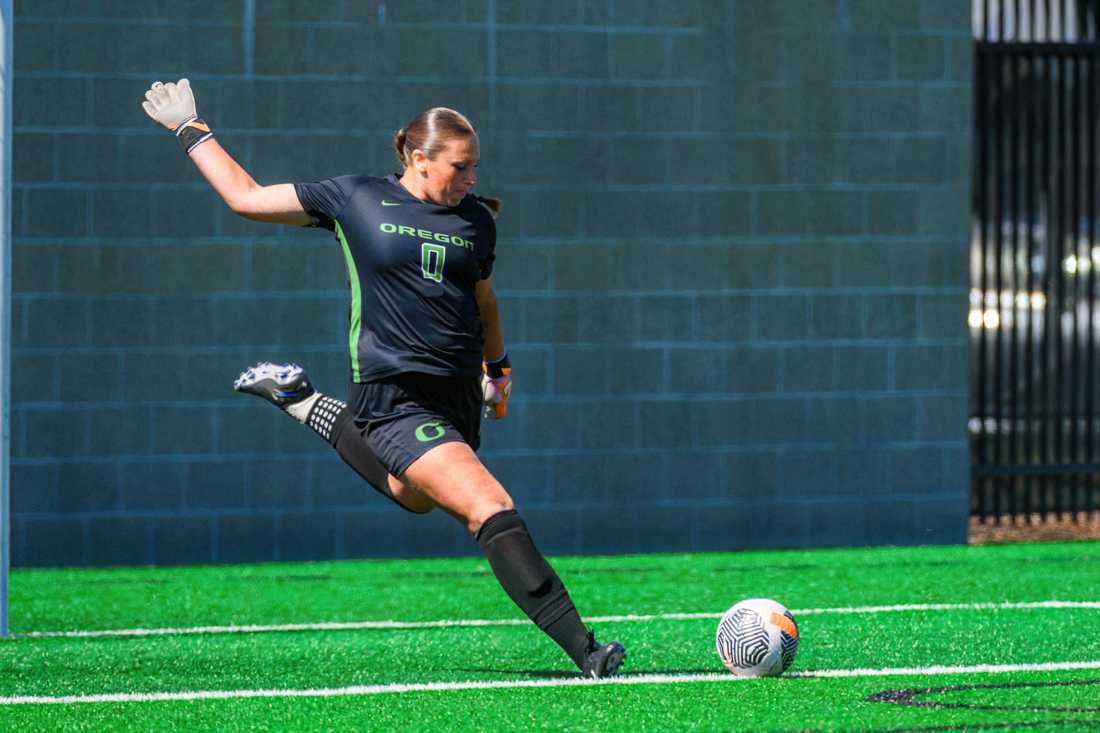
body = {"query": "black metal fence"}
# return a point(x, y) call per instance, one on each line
point(1035, 253)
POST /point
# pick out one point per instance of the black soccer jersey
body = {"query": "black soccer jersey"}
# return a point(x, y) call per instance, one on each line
point(412, 267)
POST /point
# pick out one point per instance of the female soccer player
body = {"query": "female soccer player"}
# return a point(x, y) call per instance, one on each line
point(419, 249)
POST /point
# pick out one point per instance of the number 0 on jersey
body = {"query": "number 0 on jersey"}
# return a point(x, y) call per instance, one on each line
point(431, 261)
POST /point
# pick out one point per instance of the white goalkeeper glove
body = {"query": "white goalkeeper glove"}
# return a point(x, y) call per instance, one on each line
point(173, 105)
point(496, 387)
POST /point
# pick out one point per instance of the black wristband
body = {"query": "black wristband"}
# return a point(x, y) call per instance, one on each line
point(495, 369)
point(193, 133)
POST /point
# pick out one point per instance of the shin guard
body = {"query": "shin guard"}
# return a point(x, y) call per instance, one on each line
point(531, 583)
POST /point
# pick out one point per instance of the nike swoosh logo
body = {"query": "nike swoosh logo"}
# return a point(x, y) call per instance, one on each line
point(389, 203)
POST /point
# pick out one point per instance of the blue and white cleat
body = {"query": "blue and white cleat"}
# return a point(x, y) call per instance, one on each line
point(280, 384)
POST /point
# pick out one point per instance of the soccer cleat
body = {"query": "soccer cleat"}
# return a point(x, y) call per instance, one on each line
point(602, 660)
point(280, 384)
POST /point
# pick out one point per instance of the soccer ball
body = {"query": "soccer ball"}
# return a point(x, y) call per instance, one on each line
point(757, 638)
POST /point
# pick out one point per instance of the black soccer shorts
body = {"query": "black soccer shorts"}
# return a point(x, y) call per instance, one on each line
point(404, 416)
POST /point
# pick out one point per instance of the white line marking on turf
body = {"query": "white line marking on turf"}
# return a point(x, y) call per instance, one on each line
point(641, 679)
point(950, 607)
point(460, 623)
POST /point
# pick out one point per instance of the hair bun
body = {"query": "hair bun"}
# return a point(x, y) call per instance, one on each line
point(399, 139)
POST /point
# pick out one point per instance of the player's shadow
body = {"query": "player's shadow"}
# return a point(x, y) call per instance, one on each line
point(521, 673)
point(564, 674)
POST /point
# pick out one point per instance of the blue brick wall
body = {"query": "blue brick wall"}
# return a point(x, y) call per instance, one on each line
point(732, 268)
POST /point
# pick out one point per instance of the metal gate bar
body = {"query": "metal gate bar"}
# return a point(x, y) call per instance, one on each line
point(1035, 255)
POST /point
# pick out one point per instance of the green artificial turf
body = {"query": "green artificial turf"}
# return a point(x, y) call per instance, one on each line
point(50, 600)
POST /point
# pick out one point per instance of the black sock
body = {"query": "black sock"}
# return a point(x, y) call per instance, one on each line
point(332, 420)
point(531, 582)
point(324, 415)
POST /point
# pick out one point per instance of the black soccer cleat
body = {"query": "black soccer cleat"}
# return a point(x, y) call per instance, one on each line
point(603, 660)
point(280, 384)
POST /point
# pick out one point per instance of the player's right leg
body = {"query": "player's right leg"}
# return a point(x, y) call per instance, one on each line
point(287, 386)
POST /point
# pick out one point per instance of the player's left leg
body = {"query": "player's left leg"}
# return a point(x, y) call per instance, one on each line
point(288, 387)
point(455, 479)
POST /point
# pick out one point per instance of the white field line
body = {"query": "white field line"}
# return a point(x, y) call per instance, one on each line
point(642, 679)
point(460, 623)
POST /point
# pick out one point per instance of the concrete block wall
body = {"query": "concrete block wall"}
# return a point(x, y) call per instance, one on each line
point(732, 269)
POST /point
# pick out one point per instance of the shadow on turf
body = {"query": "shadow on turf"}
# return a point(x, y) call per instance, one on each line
point(1022, 726)
point(521, 673)
point(565, 674)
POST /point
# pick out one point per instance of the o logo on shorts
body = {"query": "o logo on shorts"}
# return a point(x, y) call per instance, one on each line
point(430, 431)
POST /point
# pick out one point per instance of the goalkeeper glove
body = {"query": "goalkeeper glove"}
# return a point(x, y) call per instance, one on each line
point(496, 387)
point(173, 105)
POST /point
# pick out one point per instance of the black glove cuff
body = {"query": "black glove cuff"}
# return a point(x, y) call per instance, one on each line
point(495, 369)
point(193, 133)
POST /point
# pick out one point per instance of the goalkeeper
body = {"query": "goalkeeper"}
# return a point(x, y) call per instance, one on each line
point(425, 343)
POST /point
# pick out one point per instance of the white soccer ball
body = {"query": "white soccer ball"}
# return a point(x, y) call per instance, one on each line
point(757, 638)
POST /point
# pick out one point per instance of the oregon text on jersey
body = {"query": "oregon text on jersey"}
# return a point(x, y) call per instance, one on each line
point(388, 228)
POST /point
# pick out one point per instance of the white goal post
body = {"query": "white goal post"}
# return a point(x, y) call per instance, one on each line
point(5, 309)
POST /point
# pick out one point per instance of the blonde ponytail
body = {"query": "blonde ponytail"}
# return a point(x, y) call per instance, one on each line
point(399, 140)
point(491, 203)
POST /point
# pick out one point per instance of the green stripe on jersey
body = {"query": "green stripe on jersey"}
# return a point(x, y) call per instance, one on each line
point(356, 305)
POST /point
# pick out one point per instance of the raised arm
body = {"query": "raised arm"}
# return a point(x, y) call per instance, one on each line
point(173, 106)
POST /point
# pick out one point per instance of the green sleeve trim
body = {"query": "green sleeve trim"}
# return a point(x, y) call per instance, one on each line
point(356, 305)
